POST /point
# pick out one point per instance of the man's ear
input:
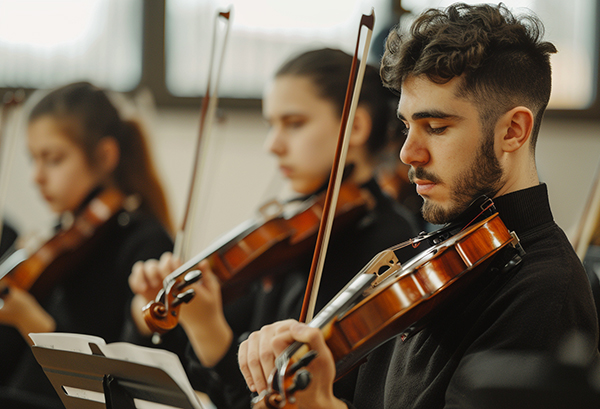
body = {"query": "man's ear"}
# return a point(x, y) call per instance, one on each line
point(361, 128)
point(515, 126)
point(108, 154)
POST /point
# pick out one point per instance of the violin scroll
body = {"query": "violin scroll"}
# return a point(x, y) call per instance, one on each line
point(162, 314)
point(288, 377)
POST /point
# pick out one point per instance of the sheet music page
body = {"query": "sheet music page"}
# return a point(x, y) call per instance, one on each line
point(66, 341)
point(158, 358)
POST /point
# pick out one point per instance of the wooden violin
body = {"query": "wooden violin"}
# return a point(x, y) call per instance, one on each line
point(277, 237)
point(39, 272)
point(385, 298)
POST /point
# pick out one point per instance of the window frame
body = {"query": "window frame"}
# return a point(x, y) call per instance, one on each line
point(153, 75)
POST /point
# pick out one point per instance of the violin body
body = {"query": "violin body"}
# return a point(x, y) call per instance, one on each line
point(53, 261)
point(282, 239)
point(254, 249)
point(386, 298)
point(414, 291)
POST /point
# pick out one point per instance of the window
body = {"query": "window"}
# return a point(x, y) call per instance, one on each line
point(571, 27)
point(264, 33)
point(44, 44)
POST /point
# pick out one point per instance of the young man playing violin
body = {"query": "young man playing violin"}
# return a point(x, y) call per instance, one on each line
point(474, 84)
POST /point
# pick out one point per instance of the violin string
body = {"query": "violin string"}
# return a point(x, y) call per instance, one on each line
point(490, 204)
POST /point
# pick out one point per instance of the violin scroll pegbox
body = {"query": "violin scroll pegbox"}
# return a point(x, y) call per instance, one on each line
point(286, 379)
point(162, 314)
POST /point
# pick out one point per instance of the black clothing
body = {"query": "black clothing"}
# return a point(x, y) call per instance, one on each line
point(532, 308)
point(349, 250)
point(591, 263)
point(9, 235)
point(93, 300)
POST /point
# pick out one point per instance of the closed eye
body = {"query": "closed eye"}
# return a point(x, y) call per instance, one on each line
point(437, 131)
point(294, 123)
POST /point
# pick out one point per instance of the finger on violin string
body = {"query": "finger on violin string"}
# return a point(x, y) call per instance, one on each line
point(204, 265)
point(309, 335)
point(168, 263)
point(152, 273)
point(145, 276)
point(250, 367)
point(137, 281)
point(243, 364)
point(260, 359)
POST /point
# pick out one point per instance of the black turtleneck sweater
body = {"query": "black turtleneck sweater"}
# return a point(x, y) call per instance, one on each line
point(533, 308)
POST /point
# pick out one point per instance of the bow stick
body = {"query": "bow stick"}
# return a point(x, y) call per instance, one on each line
point(335, 179)
point(8, 139)
point(207, 114)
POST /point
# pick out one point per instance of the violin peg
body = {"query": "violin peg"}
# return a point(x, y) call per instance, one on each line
point(189, 278)
point(184, 297)
point(301, 382)
point(193, 276)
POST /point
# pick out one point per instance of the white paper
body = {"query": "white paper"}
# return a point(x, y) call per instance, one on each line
point(158, 358)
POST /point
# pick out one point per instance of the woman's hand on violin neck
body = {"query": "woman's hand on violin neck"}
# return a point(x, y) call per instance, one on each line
point(146, 278)
point(204, 321)
point(257, 359)
point(22, 311)
point(145, 281)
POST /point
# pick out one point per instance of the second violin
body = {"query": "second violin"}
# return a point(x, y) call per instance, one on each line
point(266, 244)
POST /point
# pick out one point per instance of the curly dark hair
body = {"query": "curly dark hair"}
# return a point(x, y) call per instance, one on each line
point(502, 58)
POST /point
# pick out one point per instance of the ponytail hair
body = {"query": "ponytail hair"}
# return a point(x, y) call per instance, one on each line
point(86, 115)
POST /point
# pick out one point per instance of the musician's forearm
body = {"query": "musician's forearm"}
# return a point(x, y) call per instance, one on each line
point(210, 338)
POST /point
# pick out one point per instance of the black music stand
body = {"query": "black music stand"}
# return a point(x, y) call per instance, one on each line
point(85, 381)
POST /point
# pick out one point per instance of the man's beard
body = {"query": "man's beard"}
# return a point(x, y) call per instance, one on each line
point(483, 177)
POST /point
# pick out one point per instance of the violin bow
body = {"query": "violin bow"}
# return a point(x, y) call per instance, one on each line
point(335, 179)
point(207, 114)
point(8, 143)
point(588, 221)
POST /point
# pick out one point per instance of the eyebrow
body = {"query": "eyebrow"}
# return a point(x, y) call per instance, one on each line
point(430, 114)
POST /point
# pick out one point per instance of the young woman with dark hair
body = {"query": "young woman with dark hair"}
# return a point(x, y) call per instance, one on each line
point(81, 149)
point(303, 107)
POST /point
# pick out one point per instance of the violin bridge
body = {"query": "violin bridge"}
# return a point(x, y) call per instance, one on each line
point(271, 210)
point(383, 265)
